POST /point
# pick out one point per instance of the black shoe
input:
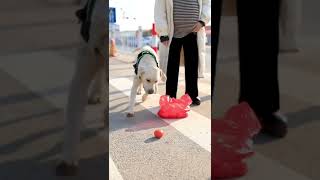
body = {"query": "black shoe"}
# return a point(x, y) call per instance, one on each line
point(274, 125)
point(64, 169)
point(196, 101)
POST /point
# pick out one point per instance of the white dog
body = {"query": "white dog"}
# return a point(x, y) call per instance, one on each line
point(148, 75)
point(91, 65)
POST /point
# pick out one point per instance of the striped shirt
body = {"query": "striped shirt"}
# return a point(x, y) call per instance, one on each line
point(185, 16)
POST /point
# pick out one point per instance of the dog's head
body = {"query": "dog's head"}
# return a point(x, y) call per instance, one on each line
point(150, 76)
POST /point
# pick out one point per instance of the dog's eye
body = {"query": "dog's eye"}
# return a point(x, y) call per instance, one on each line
point(148, 80)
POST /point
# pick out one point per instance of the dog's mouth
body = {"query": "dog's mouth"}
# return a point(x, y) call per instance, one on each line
point(150, 91)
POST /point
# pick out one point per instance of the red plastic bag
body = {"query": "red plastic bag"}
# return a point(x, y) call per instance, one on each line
point(232, 142)
point(171, 108)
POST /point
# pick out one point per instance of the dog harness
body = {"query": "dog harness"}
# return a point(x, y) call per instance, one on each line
point(84, 16)
point(140, 55)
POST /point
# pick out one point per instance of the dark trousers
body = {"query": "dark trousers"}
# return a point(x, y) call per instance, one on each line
point(258, 23)
point(258, 32)
point(191, 59)
point(216, 17)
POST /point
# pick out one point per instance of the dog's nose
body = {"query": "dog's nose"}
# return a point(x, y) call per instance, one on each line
point(150, 91)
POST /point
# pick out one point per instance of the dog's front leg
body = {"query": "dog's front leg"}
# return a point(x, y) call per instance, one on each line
point(156, 88)
point(86, 67)
point(144, 97)
point(139, 89)
point(132, 100)
point(97, 91)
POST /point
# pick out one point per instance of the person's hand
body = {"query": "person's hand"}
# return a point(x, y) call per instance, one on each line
point(165, 43)
point(197, 27)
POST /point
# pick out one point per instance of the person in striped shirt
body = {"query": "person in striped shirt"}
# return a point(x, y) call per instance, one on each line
point(186, 24)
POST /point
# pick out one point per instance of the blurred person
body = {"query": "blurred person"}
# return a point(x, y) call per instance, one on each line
point(258, 33)
point(180, 23)
point(258, 28)
point(139, 38)
point(216, 18)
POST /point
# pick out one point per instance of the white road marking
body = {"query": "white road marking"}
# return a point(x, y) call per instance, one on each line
point(114, 174)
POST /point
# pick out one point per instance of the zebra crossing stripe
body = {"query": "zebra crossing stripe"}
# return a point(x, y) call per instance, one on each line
point(114, 174)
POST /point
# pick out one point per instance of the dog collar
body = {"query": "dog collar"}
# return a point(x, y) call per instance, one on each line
point(140, 55)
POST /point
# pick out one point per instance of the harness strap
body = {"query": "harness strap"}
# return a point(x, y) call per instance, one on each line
point(90, 7)
point(140, 55)
point(84, 16)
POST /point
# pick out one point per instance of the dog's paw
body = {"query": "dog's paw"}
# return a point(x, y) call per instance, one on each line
point(144, 97)
point(95, 100)
point(65, 169)
point(130, 114)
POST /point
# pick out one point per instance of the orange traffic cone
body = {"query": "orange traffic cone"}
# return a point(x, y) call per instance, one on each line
point(154, 38)
point(113, 48)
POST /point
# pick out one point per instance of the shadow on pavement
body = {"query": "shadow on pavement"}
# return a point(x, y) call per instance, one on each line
point(23, 118)
point(295, 120)
point(31, 169)
point(206, 98)
point(151, 140)
point(142, 120)
point(28, 96)
point(263, 139)
point(303, 116)
point(41, 166)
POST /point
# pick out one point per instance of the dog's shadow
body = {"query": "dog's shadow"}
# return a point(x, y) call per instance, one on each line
point(33, 169)
point(35, 154)
point(42, 165)
point(142, 120)
point(295, 120)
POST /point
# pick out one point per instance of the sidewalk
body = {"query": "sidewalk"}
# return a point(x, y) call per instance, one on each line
point(135, 154)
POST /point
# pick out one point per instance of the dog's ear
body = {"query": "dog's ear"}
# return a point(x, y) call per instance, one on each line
point(163, 76)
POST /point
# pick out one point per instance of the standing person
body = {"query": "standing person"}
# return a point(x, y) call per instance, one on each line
point(139, 38)
point(216, 18)
point(181, 23)
point(258, 28)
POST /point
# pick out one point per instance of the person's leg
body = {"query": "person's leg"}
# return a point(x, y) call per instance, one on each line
point(258, 53)
point(216, 17)
point(202, 39)
point(191, 64)
point(173, 67)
